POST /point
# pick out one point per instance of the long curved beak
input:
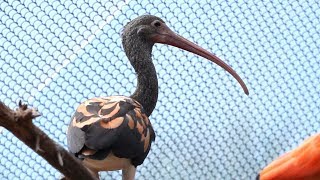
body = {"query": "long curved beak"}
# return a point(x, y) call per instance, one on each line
point(165, 35)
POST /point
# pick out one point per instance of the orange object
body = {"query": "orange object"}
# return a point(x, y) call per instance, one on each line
point(302, 163)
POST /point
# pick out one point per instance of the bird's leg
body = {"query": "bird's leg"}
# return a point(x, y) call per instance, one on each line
point(128, 173)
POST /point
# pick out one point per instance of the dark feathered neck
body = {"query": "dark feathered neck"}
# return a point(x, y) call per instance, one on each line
point(139, 52)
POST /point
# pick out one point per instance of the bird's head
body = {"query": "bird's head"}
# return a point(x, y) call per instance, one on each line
point(151, 29)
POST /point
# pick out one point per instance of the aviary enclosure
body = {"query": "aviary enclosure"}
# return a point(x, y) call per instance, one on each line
point(56, 54)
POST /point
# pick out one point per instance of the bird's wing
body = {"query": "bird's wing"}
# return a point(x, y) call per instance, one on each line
point(302, 163)
point(116, 124)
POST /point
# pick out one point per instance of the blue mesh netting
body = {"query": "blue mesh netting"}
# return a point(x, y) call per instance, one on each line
point(55, 54)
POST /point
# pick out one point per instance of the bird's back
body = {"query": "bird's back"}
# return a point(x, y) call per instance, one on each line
point(114, 125)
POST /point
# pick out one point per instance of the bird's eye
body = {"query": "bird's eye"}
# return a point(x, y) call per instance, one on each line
point(156, 24)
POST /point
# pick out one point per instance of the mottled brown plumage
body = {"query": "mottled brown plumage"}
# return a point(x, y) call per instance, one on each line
point(115, 123)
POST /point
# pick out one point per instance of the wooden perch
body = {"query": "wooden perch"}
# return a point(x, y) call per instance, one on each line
point(19, 123)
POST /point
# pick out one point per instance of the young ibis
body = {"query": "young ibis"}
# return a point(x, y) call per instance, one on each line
point(114, 133)
point(302, 163)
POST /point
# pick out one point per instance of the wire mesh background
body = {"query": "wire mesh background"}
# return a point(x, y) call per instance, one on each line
point(55, 54)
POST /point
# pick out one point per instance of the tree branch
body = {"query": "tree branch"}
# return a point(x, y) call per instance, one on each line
point(19, 123)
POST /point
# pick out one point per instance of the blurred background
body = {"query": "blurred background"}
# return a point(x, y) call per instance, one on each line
point(56, 54)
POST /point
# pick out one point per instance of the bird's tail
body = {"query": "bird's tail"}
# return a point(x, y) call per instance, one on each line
point(302, 163)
